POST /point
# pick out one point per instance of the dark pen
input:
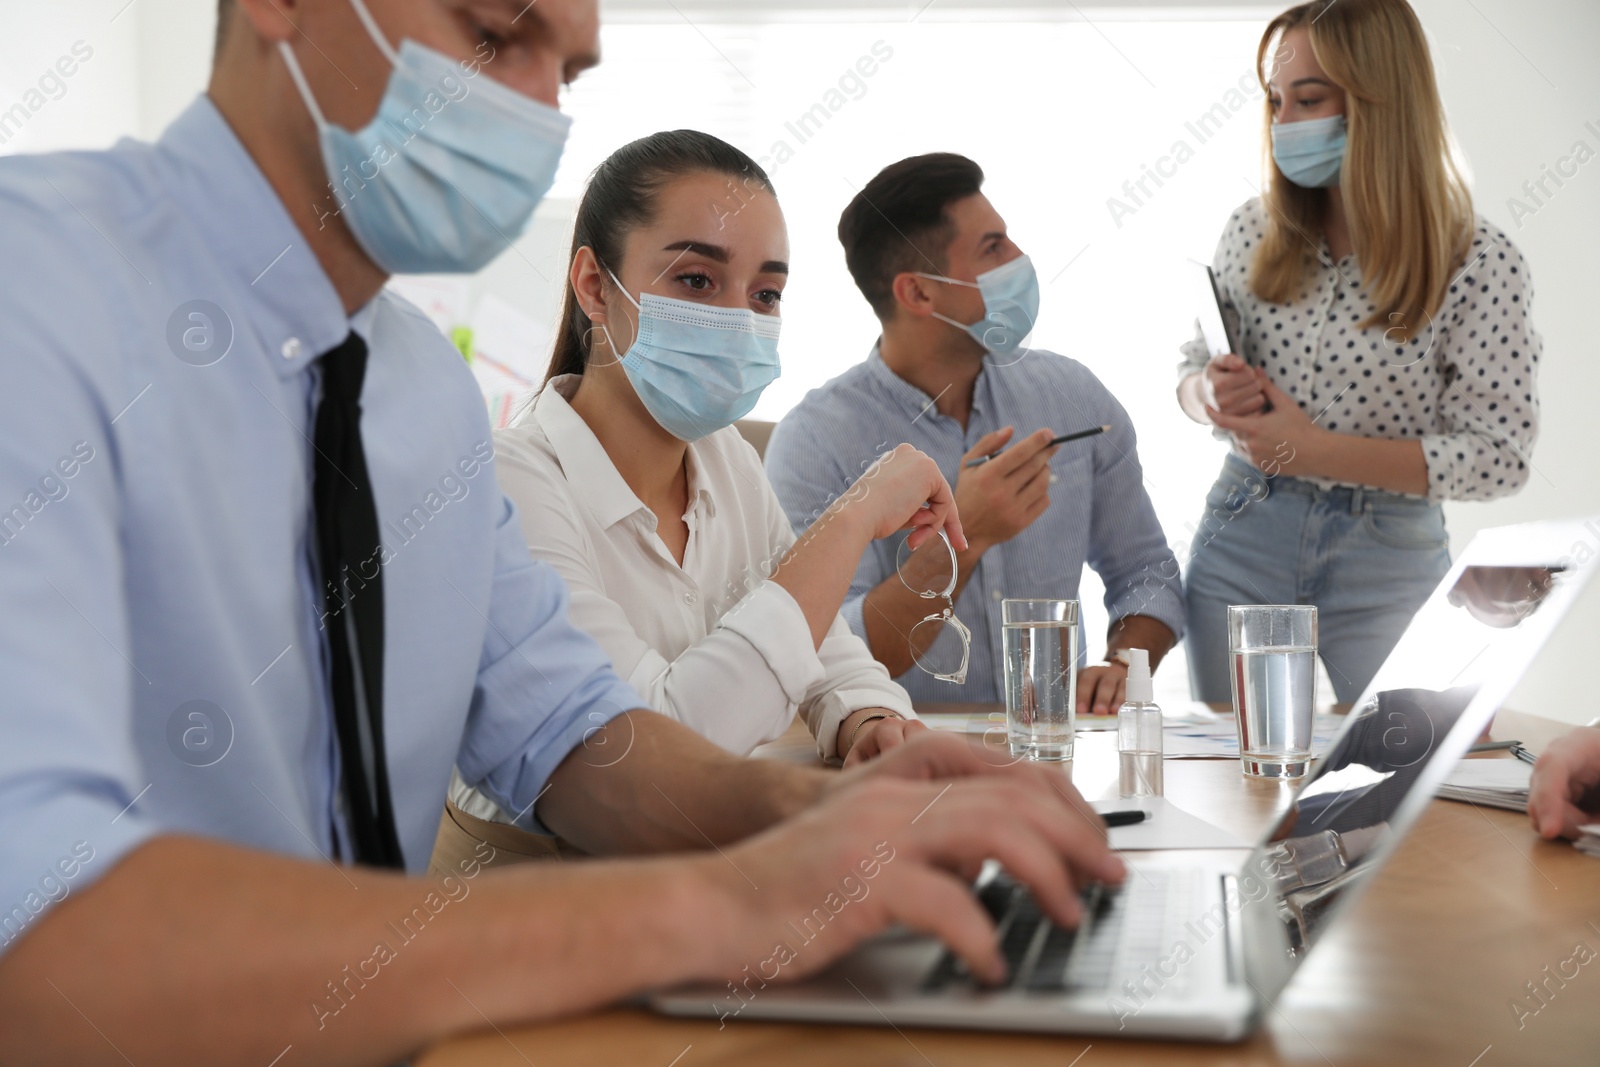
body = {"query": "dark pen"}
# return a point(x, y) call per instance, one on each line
point(1513, 747)
point(1063, 439)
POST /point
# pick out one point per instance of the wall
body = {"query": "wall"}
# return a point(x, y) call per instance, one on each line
point(1519, 81)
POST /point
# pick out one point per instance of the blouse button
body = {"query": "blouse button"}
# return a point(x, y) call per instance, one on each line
point(690, 598)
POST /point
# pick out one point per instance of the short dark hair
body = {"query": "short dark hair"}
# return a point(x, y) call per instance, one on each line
point(900, 222)
point(621, 196)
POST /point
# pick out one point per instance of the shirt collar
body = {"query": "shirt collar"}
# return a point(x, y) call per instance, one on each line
point(583, 459)
point(913, 400)
point(294, 309)
point(587, 466)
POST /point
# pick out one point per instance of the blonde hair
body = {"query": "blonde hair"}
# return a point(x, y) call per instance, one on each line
point(1406, 201)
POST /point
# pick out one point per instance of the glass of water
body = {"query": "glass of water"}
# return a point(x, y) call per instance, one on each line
point(1273, 649)
point(1041, 652)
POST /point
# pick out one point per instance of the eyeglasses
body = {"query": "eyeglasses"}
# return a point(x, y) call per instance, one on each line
point(941, 644)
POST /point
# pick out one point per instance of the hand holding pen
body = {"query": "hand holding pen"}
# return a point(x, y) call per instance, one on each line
point(1052, 443)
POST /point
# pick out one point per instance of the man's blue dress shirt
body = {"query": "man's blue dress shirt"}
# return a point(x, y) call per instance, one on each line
point(1099, 512)
point(163, 661)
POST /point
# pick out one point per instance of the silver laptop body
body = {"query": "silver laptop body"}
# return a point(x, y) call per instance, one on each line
point(1195, 951)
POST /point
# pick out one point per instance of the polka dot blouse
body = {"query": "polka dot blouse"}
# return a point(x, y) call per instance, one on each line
point(1463, 385)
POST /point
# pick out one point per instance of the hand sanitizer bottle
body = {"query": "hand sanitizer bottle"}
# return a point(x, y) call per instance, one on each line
point(1139, 731)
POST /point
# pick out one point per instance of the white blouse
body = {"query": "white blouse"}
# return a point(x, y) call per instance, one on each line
point(1463, 385)
point(714, 643)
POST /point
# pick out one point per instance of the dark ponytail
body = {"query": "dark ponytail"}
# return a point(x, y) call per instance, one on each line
point(621, 195)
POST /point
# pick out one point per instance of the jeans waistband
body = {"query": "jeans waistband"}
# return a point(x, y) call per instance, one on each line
point(1354, 498)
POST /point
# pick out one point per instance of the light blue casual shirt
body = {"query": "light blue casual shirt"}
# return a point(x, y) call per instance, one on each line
point(161, 651)
point(1099, 512)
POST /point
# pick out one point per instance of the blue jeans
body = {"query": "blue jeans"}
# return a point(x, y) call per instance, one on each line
point(1366, 558)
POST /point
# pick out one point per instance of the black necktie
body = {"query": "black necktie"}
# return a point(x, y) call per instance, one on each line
point(352, 583)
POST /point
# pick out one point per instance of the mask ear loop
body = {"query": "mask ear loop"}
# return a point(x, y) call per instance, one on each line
point(375, 33)
point(616, 356)
point(299, 78)
point(291, 61)
point(966, 326)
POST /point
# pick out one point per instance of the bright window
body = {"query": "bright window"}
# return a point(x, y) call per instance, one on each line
point(1115, 151)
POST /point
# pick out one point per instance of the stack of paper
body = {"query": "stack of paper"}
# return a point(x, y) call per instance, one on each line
point(1497, 783)
point(1219, 739)
point(1589, 840)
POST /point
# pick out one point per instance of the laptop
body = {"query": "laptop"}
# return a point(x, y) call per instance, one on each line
point(1196, 949)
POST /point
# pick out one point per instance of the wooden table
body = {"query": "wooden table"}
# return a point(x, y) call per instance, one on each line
point(1423, 969)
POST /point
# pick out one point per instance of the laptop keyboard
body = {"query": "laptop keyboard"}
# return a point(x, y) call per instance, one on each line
point(1123, 928)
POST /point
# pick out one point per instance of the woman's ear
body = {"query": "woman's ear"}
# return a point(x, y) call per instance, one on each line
point(588, 284)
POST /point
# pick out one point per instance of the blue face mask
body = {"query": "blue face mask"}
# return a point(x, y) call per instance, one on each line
point(1010, 306)
point(1310, 153)
point(448, 171)
point(698, 368)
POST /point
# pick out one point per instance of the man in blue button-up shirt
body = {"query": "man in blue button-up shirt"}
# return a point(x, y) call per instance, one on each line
point(919, 239)
point(170, 786)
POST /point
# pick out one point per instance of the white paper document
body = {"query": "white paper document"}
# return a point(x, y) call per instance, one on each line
point(1497, 783)
point(1165, 826)
point(1220, 739)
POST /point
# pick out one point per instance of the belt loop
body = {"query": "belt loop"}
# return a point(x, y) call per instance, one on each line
point(1358, 499)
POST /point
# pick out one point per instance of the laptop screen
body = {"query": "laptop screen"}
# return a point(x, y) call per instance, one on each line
point(1437, 692)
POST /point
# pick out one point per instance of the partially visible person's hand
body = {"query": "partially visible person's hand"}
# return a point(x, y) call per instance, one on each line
point(1102, 689)
point(879, 736)
point(936, 756)
point(1002, 497)
point(1564, 793)
point(904, 488)
point(884, 850)
point(1282, 441)
point(1232, 387)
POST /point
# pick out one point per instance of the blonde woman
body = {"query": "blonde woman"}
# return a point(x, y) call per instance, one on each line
point(1387, 356)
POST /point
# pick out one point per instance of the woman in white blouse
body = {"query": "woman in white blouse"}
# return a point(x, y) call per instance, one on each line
point(1387, 358)
point(630, 479)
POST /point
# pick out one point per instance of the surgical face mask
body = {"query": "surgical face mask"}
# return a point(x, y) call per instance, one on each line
point(448, 172)
point(1010, 306)
point(1310, 153)
point(698, 368)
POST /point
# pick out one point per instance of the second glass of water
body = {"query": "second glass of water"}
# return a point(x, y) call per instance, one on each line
point(1041, 654)
point(1273, 649)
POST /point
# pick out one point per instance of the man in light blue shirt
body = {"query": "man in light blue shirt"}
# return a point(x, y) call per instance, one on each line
point(955, 297)
point(174, 482)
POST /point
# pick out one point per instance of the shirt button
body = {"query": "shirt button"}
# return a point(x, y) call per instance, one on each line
point(1053, 478)
point(291, 348)
point(690, 598)
point(995, 595)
